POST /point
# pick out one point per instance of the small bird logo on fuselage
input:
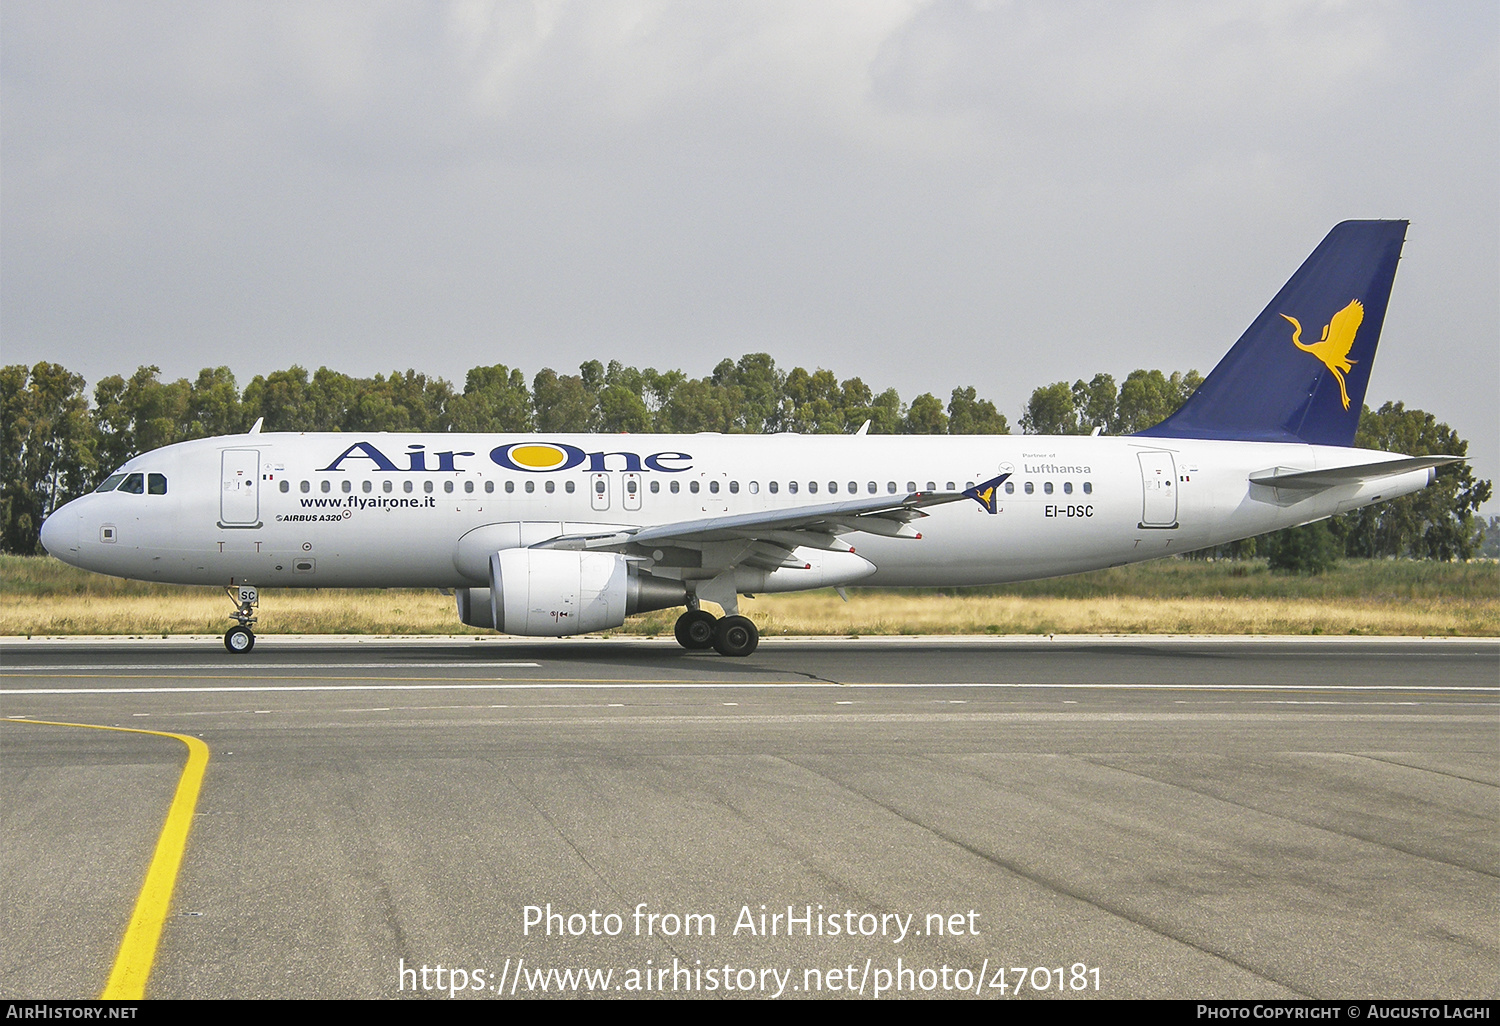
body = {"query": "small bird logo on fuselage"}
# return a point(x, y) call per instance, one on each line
point(1338, 339)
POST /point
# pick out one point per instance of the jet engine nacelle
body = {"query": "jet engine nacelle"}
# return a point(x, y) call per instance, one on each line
point(551, 592)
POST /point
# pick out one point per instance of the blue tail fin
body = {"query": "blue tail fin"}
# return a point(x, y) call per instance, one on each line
point(1276, 386)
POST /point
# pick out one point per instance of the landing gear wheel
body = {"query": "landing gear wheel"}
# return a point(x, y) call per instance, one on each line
point(239, 640)
point(735, 636)
point(695, 629)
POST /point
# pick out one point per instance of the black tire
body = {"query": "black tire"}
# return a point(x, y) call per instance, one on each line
point(735, 636)
point(695, 629)
point(239, 640)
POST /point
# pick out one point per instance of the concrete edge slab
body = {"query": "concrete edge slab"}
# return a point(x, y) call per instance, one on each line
point(999, 640)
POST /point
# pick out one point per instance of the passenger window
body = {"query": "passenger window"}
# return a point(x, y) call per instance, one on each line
point(530, 487)
point(812, 488)
point(1010, 488)
point(853, 487)
point(655, 487)
point(286, 485)
point(367, 486)
point(325, 486)
point(1067, 487)
point(550, 486)
point(932, 486)
point(632, 486)
point(713, 486)
point(113, 481)
point(406, 486)
point(1088, 489)
point(385, 486)
point(346, 486)
point(489, 488)
point(448, 487)
point(773, 486)
point(833, 487)
point(754, 487)
point(890, 486)
point(306, 487)
point(568, 487)
point(1047, 487)
point(911, 486)
point(734, 488)
point(791, 486)
point(951, 487)
point(872, 488)
point(674, 486)
point(1030, 488)
point(427, 487)
point(693, 487)
point(156, 484)
point(468, 487)
point(510, 486)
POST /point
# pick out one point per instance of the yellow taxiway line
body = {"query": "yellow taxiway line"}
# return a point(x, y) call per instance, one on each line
point(127, 980)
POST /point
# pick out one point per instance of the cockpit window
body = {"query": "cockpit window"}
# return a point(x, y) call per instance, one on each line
point(135, 484)
point(110, 483)
point(156, 484)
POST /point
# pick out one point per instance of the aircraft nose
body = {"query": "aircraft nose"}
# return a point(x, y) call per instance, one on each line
point(60, 534)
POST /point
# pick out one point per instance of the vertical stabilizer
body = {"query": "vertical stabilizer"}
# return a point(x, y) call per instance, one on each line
point(1299, 372)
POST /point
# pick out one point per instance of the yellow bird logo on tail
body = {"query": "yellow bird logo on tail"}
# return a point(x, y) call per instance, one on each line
point(1338, 339)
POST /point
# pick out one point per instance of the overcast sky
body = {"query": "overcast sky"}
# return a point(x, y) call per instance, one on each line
point(924, 194)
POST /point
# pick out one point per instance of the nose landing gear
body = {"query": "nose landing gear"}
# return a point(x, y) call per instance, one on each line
point(241, 639)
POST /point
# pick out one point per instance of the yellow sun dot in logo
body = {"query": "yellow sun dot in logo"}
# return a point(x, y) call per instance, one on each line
point(538, 457)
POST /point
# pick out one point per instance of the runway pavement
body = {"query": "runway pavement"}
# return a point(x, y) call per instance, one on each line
point(1139, 817)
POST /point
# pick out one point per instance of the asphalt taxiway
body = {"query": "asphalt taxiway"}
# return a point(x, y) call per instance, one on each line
point(1122, 817)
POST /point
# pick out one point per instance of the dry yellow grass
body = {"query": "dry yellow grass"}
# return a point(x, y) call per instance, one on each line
point(895, 613)
point(203, 611)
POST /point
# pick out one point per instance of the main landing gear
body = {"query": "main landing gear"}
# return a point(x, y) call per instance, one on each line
point(241, 639)
point(699, 629)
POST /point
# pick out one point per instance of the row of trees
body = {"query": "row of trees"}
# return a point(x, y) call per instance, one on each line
point(55, 444)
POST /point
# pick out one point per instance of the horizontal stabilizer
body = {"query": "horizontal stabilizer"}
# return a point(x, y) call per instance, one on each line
point(1281, 477)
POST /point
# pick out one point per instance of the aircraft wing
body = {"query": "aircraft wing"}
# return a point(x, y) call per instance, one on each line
point(1285, 477)
point(815, 525)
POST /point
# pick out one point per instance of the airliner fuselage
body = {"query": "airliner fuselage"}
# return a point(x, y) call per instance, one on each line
point(301, 510)
point(562, 534)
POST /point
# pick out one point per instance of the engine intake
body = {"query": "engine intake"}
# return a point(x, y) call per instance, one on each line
point(551, 593)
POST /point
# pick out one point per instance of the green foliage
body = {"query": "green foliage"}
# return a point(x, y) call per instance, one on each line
point(1051, 411)
point(926, 416)
point(1309, 549)
point(494, 399)
point(563, 402)
point(1489, 548)
point(48, 449)
point(1438, 522)
point(53, 447)
point(281, 399)
point(1145, 400)
point(970, 415)
point(1149, 397)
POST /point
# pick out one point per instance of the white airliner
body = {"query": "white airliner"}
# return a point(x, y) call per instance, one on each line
point(564, 534)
